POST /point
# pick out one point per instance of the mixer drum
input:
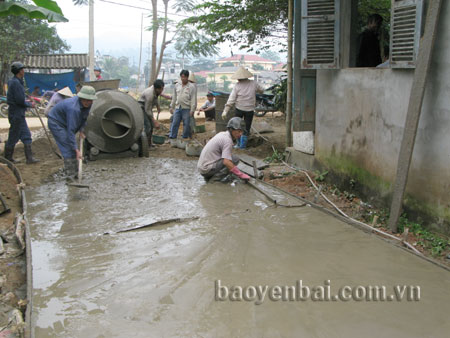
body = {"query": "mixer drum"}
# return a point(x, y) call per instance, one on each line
point(115, 122)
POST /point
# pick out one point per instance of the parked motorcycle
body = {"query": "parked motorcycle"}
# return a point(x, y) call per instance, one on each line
point(264, 104)
point(3, 107)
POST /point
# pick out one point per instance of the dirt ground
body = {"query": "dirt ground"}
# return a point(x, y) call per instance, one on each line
point(12, 267)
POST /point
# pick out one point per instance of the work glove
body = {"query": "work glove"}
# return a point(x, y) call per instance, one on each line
point(225, 113)
point(239, 173)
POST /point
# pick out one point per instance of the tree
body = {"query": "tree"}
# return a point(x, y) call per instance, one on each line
point(188, 41)
point(21, 36)
point(271, 55)
point(245, 23)
point(44, 10)
point(227, 64)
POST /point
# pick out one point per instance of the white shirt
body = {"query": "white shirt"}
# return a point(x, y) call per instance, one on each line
point(243, 95)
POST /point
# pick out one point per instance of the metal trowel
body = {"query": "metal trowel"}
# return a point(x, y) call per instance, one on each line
point(80, 169)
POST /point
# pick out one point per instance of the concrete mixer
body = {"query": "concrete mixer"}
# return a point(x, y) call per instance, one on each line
point(115, 127)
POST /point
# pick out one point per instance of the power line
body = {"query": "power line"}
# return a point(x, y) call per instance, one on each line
point(145, 9)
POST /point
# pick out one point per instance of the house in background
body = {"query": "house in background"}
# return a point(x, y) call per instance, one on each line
point(248, 61)
point(351, 120)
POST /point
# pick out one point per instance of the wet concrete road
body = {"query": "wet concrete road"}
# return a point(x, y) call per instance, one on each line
point(160, 282)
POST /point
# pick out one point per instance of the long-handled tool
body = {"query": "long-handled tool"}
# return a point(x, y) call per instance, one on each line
point(80, 169)
point(46, 134)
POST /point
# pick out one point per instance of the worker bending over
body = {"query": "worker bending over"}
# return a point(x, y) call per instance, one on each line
point(65, 120)
point(216, 160)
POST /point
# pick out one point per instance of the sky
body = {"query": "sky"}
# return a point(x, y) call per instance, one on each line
point(117, 29)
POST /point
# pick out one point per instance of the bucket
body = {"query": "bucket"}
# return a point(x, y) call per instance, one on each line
point(158, 139)
point(200, 128)
point(193, 149)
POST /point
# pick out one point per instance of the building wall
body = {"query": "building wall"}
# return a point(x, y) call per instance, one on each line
point(359, 127)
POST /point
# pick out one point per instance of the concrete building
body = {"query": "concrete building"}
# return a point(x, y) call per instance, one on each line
point(248, 61)
point(351, 120)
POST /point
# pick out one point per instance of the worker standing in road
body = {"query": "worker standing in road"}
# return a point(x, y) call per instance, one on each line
point(243, 96)
point(65, 120)
point(183, 106)
point(18, 129)
point(216, 160)
point(148, 100)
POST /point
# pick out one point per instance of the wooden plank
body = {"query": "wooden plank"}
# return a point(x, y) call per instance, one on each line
point(414, 109)
point(247, 159)
point(245, 168)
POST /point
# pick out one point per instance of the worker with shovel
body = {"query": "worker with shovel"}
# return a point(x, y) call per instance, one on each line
point(216, 160)
point(65, 120)
point(18, 129)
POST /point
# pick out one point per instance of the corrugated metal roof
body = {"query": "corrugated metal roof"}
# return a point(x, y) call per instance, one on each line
point(56, 61)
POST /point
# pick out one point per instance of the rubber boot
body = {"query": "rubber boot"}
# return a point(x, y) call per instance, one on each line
point(70, 166)
point(243, 144)
point(238, 143)
point(9, 151)
point(29, 154)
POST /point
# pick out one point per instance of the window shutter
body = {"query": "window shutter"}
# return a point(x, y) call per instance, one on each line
point(320, 34)
point(406, 23)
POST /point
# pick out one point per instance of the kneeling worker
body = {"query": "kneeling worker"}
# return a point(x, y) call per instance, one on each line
point(65, 120)
point(216, 158)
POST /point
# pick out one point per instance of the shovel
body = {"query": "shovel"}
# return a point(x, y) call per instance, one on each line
point(80, 169)
point(48, 136)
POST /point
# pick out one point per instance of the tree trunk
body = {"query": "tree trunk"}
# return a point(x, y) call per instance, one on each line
point(154, 73)
point(163, 43)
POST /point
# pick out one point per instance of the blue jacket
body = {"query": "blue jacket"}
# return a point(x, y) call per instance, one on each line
point(16, 98)
point(72, 116)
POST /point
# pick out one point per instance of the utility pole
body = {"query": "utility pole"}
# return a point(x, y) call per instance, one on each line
point(140, 55)
point(91, 41)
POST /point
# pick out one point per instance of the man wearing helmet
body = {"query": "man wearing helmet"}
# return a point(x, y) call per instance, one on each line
point(98, 73)
point(216, 159)
point(18, 129)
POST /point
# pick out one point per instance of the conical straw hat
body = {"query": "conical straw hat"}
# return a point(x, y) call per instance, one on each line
point(66, 92)
point(192, 77)
point(241, 73)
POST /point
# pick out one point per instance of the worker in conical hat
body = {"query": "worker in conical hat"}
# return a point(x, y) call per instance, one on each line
point(243, 97)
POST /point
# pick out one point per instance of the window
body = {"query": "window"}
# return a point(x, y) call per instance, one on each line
point(322, 21)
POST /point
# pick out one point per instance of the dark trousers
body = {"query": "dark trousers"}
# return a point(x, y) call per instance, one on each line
point(248, 118)
point(210, 114)
point(18, 130)
point(61, 137)
point(219, 168)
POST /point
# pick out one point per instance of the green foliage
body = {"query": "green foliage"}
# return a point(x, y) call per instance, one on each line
point(257, 66)
point(320, 176)
point(44, 10)
point(381, 7)
point(434, 243)
point(280, 95)
point(271, 55)
point(244, 23)
point(200, 79)
point(191, 42)
point(118, 68)
point(276, 157)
